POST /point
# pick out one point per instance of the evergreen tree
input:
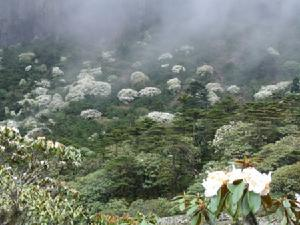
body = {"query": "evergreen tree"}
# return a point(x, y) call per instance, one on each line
point(295, 88)
point(197, 95)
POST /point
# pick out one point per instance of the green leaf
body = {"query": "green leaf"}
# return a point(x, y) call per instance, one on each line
point(236, 191)
point(230, 206)
point(182, 207)
point(196, 220)
point(286, 203)
point(284, 221)
point(214, 203)
point(254, 201)
point(280, 212)
point(212, 220)
point(245, 206)
point(192, 210)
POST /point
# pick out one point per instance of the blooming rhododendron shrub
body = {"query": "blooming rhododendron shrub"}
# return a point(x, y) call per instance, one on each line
point(139, 78)
point(205, 70)
point(269, 90)
point(234, 139)
point(26, 57)
point(127, 95)
point(161, 117)
point(240, 193)
point(178, 69)
point(174, 85)
point(29, 192)
point(149, 92)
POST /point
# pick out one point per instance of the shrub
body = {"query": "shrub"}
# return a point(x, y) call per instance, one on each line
point(286, 179)
point(161, 207)
point(283, 152)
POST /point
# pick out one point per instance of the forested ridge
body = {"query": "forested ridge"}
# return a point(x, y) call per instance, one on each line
point(111, 129)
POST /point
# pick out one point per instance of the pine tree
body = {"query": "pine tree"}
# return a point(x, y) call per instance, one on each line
point(295, 88)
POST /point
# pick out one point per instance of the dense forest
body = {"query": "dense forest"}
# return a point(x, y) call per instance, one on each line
point(120, 115)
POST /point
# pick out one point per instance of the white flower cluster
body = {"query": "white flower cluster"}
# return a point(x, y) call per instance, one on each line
point(165, 65)
point(205, 70)
point(174, 84)
point(272, 51)
point(139, 77)
point(178, 69)
point(26, 57)
point(108, 56)
point(43, 100)
point(86, 64)
point(10, 129)
point(257, 182)
point(112, 78)
point(149, 92)
point(22, 82)
point(213, 98)
point(57, 103)
point(87, 86)
point(90, 114)
point(269, 90)
point(165, 56)
point(161, 117)
point(28, 68)
point(233, 89)
point(26, 101)
point(30, 123)
point(38, 132)
point(93, 137)
point(297, 199)
point(137, 64)
point(43, 83)
point(10, 123)
point(186, 49)
point(39, 91)
point(63, 59)
point(41, 68)
point(84, 74)
point(96, 71)
point(90, 72)
point(221, 133)
point(127, 95)
point(56, 72)
point(214, 87)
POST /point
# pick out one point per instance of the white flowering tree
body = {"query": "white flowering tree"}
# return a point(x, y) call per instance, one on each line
point(29, 192)
point(240, 193)
point(234, 139)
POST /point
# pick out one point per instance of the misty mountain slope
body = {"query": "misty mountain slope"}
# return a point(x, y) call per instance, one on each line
point(155, 94)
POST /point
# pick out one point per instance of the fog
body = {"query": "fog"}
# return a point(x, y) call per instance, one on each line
point(245, 27)
point(174, 20)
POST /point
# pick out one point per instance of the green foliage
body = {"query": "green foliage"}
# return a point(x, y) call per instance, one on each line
point(160, 207)
point(234, 139)
point(295, 88)
point(283, 152)
point(94, 189)
point(132, 159)
point(237, 195)
point(196, 96)
point(117, 207)
point(140, 219)
point(28, 193)
point(286, 179)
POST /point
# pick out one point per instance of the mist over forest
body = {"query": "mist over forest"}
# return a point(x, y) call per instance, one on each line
point(147, 112)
